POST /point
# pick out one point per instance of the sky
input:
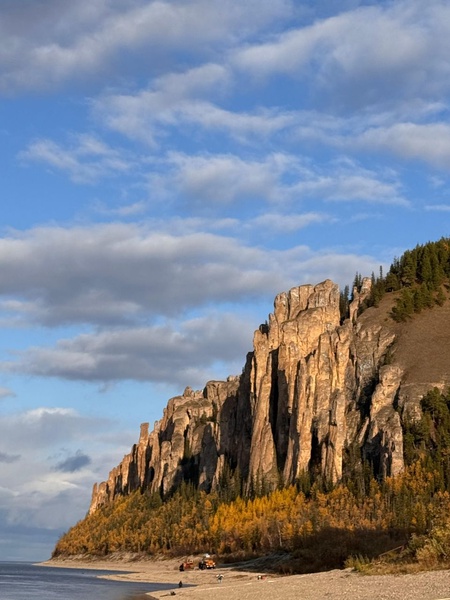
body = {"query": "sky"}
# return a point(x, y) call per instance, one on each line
point(167, 167)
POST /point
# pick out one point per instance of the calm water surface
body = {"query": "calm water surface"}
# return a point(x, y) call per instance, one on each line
point(24, 581)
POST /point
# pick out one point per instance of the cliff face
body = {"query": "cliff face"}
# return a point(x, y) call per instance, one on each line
point(311, 391)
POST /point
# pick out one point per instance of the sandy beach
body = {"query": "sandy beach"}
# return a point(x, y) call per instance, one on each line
point(240, 584)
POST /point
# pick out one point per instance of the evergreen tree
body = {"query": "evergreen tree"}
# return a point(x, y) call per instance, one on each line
point(440, 297)
point(344, 303)
point(437, 269)
point(408, 269)
point(425, 273)
point(404, 306)
point(392, 282)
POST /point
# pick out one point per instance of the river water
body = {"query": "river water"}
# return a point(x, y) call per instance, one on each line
point(25, 581)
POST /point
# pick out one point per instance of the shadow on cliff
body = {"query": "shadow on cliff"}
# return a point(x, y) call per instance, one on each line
point(325, 550)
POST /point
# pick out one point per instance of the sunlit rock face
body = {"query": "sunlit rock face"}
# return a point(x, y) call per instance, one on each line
point(312, 389)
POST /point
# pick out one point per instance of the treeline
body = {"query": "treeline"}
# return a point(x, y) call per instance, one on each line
point(319, 527)
point(419, 276)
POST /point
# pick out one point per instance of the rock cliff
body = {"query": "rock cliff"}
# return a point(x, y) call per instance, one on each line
point(313, 394)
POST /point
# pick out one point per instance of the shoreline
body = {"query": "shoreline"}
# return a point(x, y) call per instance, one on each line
point(159, 571)
point(240, 584)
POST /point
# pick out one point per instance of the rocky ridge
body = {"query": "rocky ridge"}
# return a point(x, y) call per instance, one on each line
point(313, 393)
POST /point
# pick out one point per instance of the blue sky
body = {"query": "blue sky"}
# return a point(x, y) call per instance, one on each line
point(167, 168)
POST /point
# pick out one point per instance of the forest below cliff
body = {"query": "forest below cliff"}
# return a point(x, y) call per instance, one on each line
point(357, 520)
point(317, 523)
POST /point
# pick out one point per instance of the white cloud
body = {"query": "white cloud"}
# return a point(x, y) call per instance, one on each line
point(182, 100)
point(44, 427)
point(53, 42)
point(186, 352)
point(210, 182)
point(115, 274)
point(183, 353)
point(351, 186)
point(213, 180)
point(145, 114)
point(122, 273)
point(279, 223)
point(170, 88)
point(86, 161)
point(364, 56)
point(129, 283)
point(428, 142)
point(243, 126)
